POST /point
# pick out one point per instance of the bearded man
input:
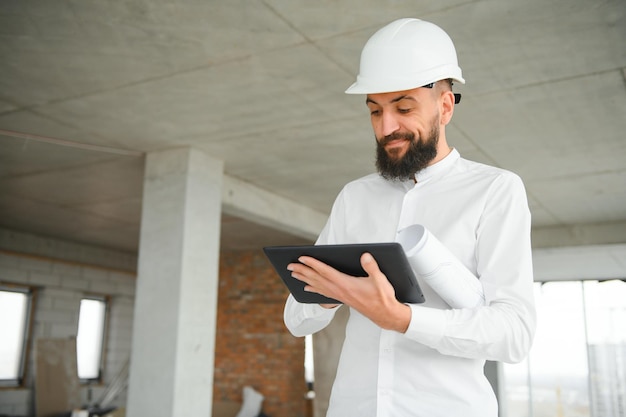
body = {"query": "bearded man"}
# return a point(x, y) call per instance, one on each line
point(421, 360)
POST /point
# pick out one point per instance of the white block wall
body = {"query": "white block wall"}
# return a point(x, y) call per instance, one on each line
point(61, 285)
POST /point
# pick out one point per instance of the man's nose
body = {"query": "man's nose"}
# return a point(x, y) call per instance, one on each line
point(389, 124)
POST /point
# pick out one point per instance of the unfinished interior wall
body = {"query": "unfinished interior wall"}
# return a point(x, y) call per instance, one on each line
point(253, 347)
point(61, 286)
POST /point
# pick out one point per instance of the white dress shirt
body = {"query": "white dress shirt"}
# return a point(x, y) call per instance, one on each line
point(480, 213)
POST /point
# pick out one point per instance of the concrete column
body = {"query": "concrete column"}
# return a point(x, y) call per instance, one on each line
point(171, 369)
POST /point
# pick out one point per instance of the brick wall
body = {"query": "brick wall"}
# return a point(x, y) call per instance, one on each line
point(253, 346)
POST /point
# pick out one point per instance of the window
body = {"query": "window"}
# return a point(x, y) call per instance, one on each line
point(577, 365)
point(309, 370)
point(92, 323)
point(16, 307)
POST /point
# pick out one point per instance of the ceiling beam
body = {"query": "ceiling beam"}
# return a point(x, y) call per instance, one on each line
point(244, 200)
point(579, 234)
point(599, 262)
point(33, 245)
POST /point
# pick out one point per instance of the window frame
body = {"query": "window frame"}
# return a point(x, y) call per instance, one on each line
point(27, 336)
point(106, 299)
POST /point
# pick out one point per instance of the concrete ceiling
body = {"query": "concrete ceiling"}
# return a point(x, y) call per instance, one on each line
point(87, 88)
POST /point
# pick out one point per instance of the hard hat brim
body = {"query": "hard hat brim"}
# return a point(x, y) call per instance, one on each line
point(365, 85)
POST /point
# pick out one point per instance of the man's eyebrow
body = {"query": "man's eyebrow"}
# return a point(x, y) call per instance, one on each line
point(395, 100)
point(402, 97)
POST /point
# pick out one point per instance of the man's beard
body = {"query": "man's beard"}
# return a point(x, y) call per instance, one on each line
point(417, 157)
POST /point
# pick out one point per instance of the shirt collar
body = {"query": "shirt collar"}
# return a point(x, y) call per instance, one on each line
point(438, 169)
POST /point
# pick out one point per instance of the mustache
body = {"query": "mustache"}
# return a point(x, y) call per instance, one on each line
point(395, 136)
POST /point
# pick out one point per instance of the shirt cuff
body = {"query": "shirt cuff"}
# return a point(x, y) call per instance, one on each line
point(316, 311)
point(427, 325)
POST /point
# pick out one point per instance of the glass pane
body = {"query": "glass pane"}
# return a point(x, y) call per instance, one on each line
point(516, 385)
point(516, 401)
point(577, 366)
point(558, 361)
point(13, 314)
point(89, 339)
point(605, 304)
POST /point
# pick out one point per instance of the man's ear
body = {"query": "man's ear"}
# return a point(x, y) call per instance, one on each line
point(446, 106)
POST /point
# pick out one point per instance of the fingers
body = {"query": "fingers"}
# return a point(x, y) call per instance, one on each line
point(308, 268)
point(319, 266)
point(318, 276)
point(378, 278)
point(369, 265)
point(300, 271)
point(307, 264)
point(310, 276)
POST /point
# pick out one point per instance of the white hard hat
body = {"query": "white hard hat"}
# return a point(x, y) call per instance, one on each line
point(406, 54)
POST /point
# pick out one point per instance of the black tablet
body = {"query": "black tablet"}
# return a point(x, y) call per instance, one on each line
point(347, 259)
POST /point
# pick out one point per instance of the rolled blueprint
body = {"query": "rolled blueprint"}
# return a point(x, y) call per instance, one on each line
point(440, 269)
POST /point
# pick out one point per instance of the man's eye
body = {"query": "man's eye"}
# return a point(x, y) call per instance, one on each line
point(374, 112)
point(404, 110)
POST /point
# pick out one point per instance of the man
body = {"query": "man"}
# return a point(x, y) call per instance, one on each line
point(426, 359)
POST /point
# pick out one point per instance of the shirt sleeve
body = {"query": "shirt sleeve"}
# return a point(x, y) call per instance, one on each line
point(504, 328)
point(304, 319)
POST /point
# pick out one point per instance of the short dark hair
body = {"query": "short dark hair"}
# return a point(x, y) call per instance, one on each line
point(448, 83)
